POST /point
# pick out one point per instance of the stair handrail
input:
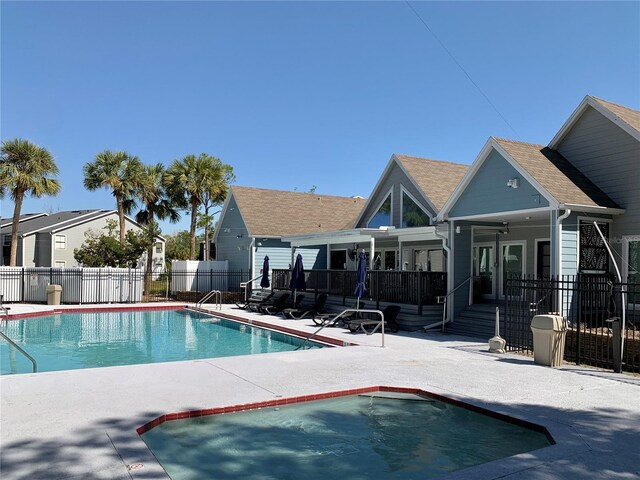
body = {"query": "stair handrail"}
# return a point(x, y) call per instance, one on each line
point(217, 301)
point(14, 344)
point(444, 299)
point(247, 283)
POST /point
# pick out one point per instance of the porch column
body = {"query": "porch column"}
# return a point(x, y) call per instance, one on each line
point(372, 246)
point(328, 256)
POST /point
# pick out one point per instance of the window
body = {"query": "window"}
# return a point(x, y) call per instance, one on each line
point(412, 214)
point(61, 242)
point(631, 260)
point(594, 257)
point(6, 240)
point(158, 247)
point(60, 264)
point(383, 215)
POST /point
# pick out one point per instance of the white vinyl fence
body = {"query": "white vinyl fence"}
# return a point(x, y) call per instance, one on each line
point(199, 276)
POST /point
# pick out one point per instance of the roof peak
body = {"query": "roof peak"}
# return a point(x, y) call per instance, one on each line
point(402, 155)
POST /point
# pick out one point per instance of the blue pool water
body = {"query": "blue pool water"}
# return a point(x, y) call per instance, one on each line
point(84, 340)
point(353, 437)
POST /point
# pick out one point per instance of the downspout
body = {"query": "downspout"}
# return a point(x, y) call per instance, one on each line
point(252, 257)
point(449, 272)
point(566, 213)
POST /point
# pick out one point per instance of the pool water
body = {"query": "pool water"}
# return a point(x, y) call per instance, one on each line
point(353, 437)
point(100, 339)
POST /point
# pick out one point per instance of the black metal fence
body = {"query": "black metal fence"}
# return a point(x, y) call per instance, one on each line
point(116, 285)
point(587, 302)
point(412, 288)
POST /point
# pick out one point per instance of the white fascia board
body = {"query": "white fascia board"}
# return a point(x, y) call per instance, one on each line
point(589, 101)
point(26, 219)
point(79, 221)
point(386, 170)
point(488, 216)
point(592, 209)
point(418, 234)
point(466, 180)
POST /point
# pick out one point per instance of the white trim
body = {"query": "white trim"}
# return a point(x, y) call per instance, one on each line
point(378, 186)
point(403, 190)
point(503, 213)
point(55, 241)
point(592, 209)
point(589, 101)
point(589, 219)
point(494, 269)
point(26, 219)
point(375, 210)
point(536, 241)
point(73, 222)
point(417, 187)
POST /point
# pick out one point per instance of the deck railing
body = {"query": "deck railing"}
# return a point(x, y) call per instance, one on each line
point(406, 287)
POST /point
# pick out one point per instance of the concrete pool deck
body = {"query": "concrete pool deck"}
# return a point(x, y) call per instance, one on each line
point(81, 424)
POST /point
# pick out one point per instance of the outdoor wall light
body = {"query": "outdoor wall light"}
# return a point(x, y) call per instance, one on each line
point(513, 182)
point(239, 235)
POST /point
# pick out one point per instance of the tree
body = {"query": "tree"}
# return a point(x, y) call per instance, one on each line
point(25, 169)
point(177, 246)
point(106, 250)
point(157, 205)
point(194, 181)
point(119, 172)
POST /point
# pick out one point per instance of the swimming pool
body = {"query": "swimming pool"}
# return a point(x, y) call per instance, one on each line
point(372, 435)
point(71, 341)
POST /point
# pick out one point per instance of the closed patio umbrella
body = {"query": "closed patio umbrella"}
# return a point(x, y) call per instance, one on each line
point(297, 277)
point(361, 277)
point(264, 283)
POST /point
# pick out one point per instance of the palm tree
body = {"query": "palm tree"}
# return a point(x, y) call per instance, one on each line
point(118, 171)
point(195, 180)
point(157, 205)
point(25, 169)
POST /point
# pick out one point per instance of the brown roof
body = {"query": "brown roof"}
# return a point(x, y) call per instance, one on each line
point(275, 213)
point(626, 114)
point(437, 179)
point(556, 174)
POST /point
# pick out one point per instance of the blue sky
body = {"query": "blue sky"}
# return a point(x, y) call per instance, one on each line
point(297, 94)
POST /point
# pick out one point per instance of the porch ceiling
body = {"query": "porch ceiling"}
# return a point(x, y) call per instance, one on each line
point(514, 217)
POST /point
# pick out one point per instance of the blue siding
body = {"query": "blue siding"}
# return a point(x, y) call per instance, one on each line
point(228, 246)
point(488, 191)
point(279, 253)
point(461, 265)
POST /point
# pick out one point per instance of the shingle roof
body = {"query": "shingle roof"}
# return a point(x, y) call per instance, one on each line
point(556, 174)
point(275, 213)
point(626, 114)
point(437, 179)
point(55, 221)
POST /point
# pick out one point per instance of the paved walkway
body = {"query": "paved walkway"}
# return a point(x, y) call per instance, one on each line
point(80, 424)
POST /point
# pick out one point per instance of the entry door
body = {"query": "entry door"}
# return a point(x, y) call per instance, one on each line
point(338, 260)
point(484, 260)
point(512, 262)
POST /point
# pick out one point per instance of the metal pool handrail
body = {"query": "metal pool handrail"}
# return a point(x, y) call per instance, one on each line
point(14, 344)
point(443, 300)
point(331, 321)
point(217, 294)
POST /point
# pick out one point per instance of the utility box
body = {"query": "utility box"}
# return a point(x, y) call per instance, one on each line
point(549, 333)
point(54, 292)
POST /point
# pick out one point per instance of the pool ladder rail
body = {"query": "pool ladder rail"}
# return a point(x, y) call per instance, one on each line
point(4, 316)
point(330, 321)
point(217, 299)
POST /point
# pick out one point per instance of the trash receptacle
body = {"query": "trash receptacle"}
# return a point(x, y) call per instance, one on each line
point(54, 292)
point(549, 332)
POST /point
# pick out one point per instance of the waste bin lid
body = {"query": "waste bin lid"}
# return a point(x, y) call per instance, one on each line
point(548, 322)
point(54, 288)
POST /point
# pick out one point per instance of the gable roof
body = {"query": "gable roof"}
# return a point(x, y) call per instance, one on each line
point(555, 174)
point(275, 213)
point(23, 218)
point(546, 169)
point(435, 178)
point(59, 221)
point(626, 118)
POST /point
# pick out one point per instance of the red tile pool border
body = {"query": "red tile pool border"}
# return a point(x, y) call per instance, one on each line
point(277, 328)
point(342, 393)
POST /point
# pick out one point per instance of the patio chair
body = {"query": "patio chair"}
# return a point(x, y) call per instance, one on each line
point(371, 325)
point(332, 319)
point(256, 298)
point(279, 300)
point(280, 306)
point(303, 311)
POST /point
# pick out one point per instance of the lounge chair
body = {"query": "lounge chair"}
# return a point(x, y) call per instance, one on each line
point(301, 312)
point(279, 300)
point(332, 319)
point(371, 325)
point(284, 304)
point(256, 298)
